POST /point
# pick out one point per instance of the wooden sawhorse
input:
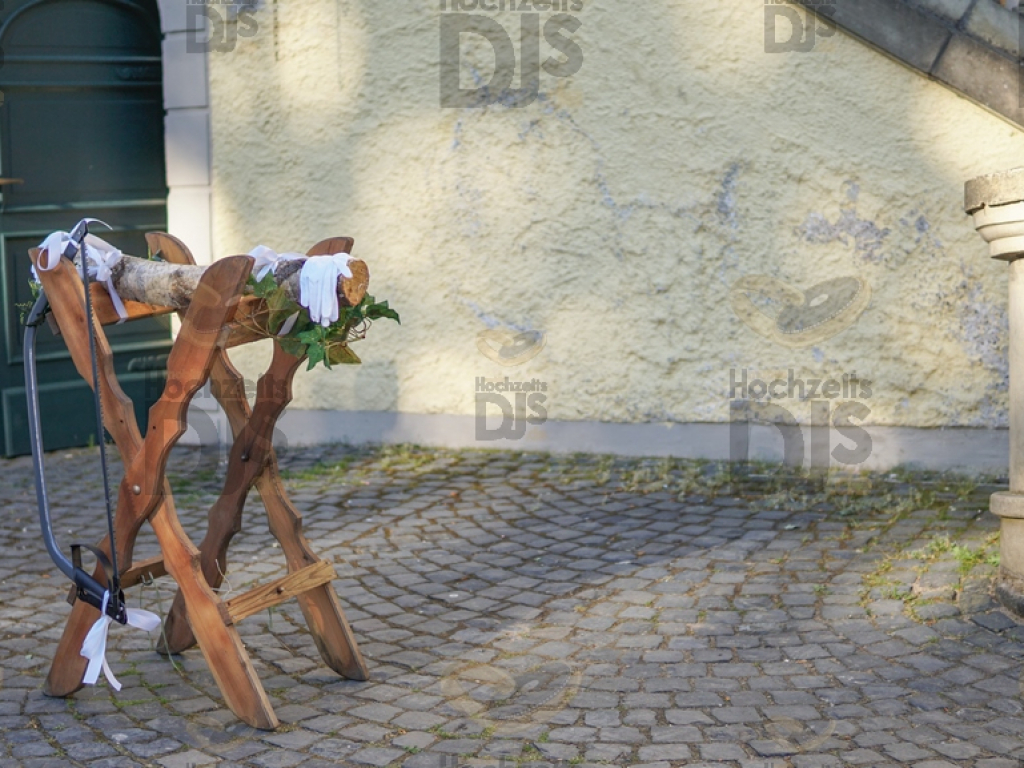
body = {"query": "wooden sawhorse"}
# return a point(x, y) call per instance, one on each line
point(198, 614)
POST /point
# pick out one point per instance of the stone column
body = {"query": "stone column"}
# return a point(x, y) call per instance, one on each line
point(996, 202)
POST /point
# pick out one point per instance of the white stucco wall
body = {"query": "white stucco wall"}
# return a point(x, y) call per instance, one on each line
point(615, 213)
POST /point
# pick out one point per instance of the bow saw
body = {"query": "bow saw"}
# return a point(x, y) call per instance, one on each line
point(109, 598)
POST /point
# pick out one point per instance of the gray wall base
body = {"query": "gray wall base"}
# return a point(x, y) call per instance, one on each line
point(965, 449)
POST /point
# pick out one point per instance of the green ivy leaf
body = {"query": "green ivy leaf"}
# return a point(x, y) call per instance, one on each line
point(314, 336)
point(370, 309)
point(281, 308)
point(377, 311)
point(318, 344)
point(316, 354)
point(341, 354)
point(292, 346)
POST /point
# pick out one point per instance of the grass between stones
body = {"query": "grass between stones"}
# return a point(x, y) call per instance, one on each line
point(919, 528)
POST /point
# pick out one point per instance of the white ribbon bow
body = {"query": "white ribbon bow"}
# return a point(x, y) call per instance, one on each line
point(95, 646)
point(102, 255)
point(267, 260)
point(318, 286)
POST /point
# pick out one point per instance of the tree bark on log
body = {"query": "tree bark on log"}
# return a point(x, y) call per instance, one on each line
point(173, 285)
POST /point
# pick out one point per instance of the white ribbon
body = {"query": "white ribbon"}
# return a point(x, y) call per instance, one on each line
point(52, 248)
point(267, 260)
point(318, 286)
point(102, 255)
point(95, 646)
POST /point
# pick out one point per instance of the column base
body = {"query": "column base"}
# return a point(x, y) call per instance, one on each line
point(1010, 592)
point(1009, 508)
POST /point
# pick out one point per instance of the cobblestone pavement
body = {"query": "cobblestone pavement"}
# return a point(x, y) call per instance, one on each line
point(528, 610)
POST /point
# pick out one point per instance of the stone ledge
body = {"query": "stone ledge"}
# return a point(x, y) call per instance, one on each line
point(983, 74)
point(1001, 188)
point(1009, 590)
point(1006, 504)
point(971, 48)
point(965, 449)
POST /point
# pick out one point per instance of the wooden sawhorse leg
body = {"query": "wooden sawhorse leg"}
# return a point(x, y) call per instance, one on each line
point(144, 492)
point(252, 462)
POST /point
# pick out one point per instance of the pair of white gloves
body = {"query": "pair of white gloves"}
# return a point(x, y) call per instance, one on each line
point(318, 282)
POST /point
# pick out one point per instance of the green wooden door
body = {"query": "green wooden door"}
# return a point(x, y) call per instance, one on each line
point(82, 124)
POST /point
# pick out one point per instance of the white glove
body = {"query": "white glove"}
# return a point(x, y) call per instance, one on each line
point(318, 286)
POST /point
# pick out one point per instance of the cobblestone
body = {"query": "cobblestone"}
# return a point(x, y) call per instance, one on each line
point(534, 609)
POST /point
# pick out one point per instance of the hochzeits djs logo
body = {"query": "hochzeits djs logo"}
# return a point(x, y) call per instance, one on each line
point(518, 402)
point(824, 404)
point(551, 22)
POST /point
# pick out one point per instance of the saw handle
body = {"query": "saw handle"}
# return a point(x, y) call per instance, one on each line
point(91, 591)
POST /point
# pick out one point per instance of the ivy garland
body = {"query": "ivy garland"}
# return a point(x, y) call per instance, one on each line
point(328, 345)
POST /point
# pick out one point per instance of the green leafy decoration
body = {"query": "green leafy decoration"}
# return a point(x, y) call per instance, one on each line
point(318, 344)
point(281, 308)
point(315, 340)
point(375, 311)
point(292, 346)
point(341, 354)
point(261, 289)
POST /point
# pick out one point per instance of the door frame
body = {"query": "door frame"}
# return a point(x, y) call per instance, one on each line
point(188, 163)
point(186, 131)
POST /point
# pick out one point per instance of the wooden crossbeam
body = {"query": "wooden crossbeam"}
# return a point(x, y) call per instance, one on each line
point(106, 314)
point(153, 568)
point(277, 591)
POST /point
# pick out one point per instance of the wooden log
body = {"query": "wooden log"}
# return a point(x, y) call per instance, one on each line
point(165, 284)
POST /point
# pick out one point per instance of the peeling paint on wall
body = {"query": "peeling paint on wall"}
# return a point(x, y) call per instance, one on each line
point(867, 237)
point(726, 197)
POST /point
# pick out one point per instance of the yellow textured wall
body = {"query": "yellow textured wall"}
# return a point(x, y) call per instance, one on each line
point(615, 213)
